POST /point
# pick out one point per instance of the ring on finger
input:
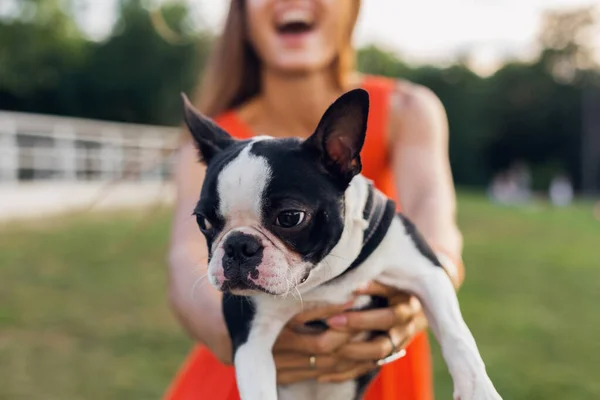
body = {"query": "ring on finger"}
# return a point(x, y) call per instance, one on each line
point(392, 357)
point(387, 334)
point(312, 360)
point(394, 354)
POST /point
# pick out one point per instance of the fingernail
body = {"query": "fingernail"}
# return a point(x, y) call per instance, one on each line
point(348, 304)
point(338, 321)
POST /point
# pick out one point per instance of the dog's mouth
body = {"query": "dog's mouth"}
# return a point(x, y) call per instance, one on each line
point(245, 288)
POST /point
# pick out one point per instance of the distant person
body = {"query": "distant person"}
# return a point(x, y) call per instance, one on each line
point(277, 67)
point(561, 191)
point(521, 177)
point(504, 189)
point(499, 188)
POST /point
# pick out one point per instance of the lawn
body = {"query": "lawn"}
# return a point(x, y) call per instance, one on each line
point(83, 313)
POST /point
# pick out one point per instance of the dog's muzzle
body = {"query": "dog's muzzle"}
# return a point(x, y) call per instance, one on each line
point(243, 255)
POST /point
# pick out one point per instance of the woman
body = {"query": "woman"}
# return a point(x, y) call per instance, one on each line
point(277, 67)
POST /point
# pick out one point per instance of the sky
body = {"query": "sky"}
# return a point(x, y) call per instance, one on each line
point(420, 31)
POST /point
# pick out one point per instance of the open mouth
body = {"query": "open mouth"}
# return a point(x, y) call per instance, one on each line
point(295, 22)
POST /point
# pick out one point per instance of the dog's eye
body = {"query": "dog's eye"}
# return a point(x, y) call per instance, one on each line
point(290, 219)
point(203, 223)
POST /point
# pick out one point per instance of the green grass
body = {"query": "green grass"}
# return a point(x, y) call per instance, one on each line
point(83, 311)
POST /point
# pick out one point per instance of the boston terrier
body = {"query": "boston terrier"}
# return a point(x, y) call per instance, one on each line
point(292, 224)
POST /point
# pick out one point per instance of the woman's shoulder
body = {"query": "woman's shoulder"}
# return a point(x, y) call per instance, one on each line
point(409, 97)
point(404, 97)
point(413, 107)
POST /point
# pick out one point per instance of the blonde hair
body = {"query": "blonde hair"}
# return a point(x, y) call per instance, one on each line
point(232, 74)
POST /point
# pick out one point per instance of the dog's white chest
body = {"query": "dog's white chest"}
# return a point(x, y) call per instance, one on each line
point(317, 391)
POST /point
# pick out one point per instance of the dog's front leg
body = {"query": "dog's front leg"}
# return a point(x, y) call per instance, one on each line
point(253, 360)
point(438, 298)
point(421, 275)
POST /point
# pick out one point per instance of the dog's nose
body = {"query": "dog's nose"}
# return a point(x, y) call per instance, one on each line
point(241, 246)
point(243, 255)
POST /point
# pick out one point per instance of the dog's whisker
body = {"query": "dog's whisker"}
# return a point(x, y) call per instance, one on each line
point(327, 265)
point(340, 257)
point(200, 278)
point(289, 288)
point(301, 300)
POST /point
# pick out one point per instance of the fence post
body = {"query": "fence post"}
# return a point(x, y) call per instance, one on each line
point(153, 159)
point(111, 154)
point(66, 151)
point(9, 151)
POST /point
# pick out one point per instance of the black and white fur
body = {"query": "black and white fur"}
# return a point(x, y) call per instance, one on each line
point(284, 219)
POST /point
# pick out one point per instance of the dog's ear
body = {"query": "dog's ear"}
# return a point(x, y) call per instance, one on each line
point(340, 135)
point(209, 138)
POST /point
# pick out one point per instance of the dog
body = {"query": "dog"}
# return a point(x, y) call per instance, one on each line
point(285, 216)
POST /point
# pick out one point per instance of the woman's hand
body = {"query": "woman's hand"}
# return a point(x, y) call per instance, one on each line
point(293, 350)
point(337, 357)
point(403, 320)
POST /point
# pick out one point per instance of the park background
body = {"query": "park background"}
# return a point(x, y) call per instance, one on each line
point(89, 122)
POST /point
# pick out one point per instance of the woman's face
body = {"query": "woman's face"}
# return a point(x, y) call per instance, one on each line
point(297, 36)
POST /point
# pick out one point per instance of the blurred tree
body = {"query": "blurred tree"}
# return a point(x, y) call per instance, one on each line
point(47, 66)
point(137, 74)
point(566, 39)
point(39, 42)
point(526, 112)
point(535, 110)
point(376, 61)
point(464, 95)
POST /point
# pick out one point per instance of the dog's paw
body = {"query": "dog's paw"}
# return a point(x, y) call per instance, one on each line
point(479, 389)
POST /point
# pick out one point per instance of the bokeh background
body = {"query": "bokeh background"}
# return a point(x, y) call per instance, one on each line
point(89, 121)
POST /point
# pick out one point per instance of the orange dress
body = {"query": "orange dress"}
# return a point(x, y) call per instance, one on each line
point(203, 377)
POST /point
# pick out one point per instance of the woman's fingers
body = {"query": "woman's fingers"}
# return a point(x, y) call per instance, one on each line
point(373, 350)
point(381, 346)
point(420, 322)
point(309, 344)
point(381, 319)
point(294, 367)
point(297, 361)
point(319, 313)
point(358, 370)
point(285, 377)
point(302, 361)
point(338, 355)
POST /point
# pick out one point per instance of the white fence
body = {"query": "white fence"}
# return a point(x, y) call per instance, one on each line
point(39, 147)
point(54, 164)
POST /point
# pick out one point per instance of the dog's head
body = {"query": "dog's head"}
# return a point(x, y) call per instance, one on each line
point(271, 209)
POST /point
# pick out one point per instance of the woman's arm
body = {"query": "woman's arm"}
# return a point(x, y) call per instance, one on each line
point(419, 144)
point(194, 301)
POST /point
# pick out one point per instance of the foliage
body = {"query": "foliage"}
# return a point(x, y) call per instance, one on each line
point(526, 112)
point(38, 45)
point(134, 76)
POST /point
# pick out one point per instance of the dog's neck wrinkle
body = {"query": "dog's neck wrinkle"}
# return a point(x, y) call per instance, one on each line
point(378, 212)
point(355, 199)
point(350, 243)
